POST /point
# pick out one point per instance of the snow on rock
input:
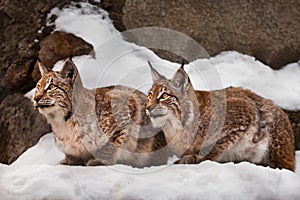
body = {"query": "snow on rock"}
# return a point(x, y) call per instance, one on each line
point(35, 175)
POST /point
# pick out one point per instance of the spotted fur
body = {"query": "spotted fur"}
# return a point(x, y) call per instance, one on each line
point(100, 126)
point(230, 125)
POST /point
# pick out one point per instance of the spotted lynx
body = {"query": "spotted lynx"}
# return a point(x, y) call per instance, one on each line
point(101, 126)
point(250, 128)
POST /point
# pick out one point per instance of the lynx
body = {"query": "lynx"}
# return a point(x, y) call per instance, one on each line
point(101, 126)
point(250, 128)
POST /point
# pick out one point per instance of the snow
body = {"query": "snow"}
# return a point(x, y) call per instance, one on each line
point(235, 69)
point(35, 175)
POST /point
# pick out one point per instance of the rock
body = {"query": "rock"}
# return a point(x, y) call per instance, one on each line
point(18, 75)
point(21, 126)
point(19, 25)
point(114, 7)
point(266, 30)
point(61, 45)
point(294, 117)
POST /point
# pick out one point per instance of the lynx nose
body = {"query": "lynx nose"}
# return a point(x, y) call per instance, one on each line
point(37, 97)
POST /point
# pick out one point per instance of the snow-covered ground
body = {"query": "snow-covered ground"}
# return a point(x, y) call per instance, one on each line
point(35, 174)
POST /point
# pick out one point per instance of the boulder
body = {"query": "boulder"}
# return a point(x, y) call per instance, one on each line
point(21, 126)
point(61, 45)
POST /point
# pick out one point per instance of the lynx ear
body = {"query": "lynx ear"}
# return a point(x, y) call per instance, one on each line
point(155, 75)
point(181, 80)
point(69, 70)
point(43, 69)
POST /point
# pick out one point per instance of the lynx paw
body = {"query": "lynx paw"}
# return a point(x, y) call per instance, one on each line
point(94, 162)
point(63, 162)
point(70, 160)
point(190, 159)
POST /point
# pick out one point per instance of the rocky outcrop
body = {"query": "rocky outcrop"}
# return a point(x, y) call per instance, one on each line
point(267, 30)
point(21, 127)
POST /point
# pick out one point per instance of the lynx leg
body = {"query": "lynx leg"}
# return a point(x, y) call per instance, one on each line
point(282, 152)
point(222, 147)
point(71, 160)
point(281, 148)
point(219, 148)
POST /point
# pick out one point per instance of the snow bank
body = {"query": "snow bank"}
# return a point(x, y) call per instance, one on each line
point(35, 176)
point(235, 69)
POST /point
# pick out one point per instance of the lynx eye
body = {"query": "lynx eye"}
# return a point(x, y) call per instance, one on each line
point(149, 96)
point(165, 96)
point(52, 87)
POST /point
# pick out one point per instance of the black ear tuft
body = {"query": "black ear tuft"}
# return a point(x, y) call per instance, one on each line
point(182, 64)
point(69, 71)
point(155, 75)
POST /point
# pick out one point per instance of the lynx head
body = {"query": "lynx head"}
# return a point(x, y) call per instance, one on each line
point(170, 100)
point(54, 89)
